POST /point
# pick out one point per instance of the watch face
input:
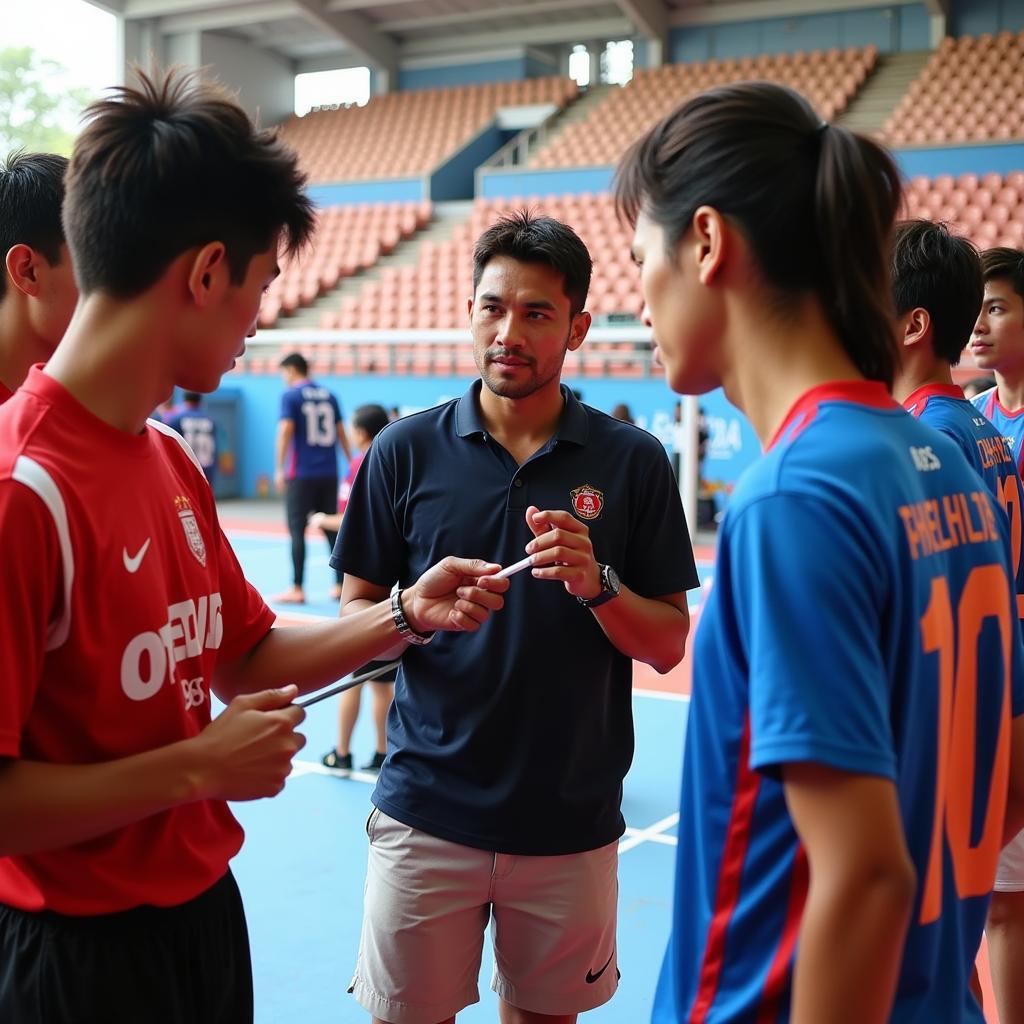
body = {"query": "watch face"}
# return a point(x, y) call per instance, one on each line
point(610, 580)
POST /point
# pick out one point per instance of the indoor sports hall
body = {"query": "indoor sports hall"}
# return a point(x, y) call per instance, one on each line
point(421, 123)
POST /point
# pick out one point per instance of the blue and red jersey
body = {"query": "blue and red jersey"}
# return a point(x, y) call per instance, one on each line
point(1009, 423)
point(988, 450)
point(315, 414)
point(850, 558)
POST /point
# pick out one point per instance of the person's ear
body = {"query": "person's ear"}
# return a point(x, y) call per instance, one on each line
point(710, 243)
point(24, 269)
point(207, 273)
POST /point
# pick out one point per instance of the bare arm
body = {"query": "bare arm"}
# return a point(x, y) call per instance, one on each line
point(456, 594)
point(356, 596)
point(648, 629)
point(285, 433)
point(1015, 792)
point(343, 441)
point(860, 895)
point(244, 754)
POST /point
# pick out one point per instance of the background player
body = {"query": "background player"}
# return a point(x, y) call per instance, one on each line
point(819, 782)
point(998, 345)
point(37, 286)
point(124, 606)
point(367, 422)
point(306, 462)
point(468, 823)
point(197, 427)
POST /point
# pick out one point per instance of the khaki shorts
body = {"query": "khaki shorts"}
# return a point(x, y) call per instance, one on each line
point(428, 902)
point(1010, 873)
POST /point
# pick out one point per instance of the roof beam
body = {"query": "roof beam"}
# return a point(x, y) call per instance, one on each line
point(166, 8)
point(228, 17)
point(649, 16)
point(355, 32)
point(536, 35)
point(484, 14)
point(939, 7)
point(715, 13)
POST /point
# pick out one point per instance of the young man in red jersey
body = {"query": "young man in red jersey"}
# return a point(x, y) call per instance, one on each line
point(123, 604)
point(37, 287)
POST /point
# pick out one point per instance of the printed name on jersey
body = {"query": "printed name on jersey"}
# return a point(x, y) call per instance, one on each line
point(925, 459)
point(934, 526)
point(191, 527)
point(587, 501)
point(994, 450)
point(149, 659)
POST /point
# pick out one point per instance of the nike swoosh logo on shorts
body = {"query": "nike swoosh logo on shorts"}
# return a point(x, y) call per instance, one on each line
point(132, 563)
point(591, 977)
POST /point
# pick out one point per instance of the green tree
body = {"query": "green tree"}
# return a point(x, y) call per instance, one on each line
point(36, 107)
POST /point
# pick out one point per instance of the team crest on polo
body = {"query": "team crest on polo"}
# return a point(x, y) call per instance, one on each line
point(587, 501)
point(191, 528)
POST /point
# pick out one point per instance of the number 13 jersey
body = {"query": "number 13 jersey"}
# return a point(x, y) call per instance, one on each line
point(862, 617)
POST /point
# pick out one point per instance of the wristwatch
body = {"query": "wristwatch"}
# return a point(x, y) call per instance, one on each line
point(405, 631)
point(609, 588)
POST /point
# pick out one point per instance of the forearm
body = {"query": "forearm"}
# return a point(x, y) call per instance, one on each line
point(360, 605)
point(50, 806)
point(310, 656)
point(280, 452)
point(850, 948)
point(645, 629)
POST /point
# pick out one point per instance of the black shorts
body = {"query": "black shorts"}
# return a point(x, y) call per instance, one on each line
point(388, 677)
point(188, 964)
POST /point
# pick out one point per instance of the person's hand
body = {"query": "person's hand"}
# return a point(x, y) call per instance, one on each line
point(455, 594)
point(246, 752)
point(562, 550)
point(279, 481)
point(316, 520)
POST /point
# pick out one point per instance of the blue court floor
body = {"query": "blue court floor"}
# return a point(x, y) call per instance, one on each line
point(302, 867)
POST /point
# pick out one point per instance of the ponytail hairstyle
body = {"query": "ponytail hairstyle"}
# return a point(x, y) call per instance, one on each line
point(816, 202)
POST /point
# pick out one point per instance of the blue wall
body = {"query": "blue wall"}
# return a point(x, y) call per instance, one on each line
point(392, 190)
point(651, 402)
point(455, 179)
point(959, 159)
point(496, 184)
point(972, 17)
point(412, 79)
point(899, 27)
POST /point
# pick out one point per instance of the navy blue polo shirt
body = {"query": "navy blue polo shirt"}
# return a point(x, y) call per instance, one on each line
point(514, 738)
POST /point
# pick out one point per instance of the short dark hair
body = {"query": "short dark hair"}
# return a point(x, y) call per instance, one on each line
point(529, 238)
point(171, 164)
point(940, 272)
point(297, 361)
point(31, 193)
point(371, 417)
point(193, 397)
point(1004, 262)
point(815, 201)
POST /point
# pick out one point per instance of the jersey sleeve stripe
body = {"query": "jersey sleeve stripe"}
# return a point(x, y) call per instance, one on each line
point(164, 429)
point(748, 783)
point(37, 479)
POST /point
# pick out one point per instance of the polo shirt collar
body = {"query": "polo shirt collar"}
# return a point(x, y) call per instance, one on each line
point(573, 426)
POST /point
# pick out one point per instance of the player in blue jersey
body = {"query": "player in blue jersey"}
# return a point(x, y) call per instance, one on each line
point(309, 430)
point(846, 762)
point(997, 344)
point(197, 427)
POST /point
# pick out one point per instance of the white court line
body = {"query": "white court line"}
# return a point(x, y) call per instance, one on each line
point(661, 839)
point(648, 834)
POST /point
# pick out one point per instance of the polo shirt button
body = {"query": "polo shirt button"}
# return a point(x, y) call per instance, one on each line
point(518, 482)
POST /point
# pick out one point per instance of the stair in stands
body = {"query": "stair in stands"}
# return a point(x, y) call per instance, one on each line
point(407, 253)
point(577, 111)
point(888, 83)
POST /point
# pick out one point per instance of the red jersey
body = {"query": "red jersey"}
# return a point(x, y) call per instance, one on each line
point(345, 490)
point(120, 594)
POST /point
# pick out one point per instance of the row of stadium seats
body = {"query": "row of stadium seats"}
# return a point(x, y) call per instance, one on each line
point(828, 79)
point(432, 294)
point(972, 90)
point(347, 239)
point(988, 209)
point(409, 133)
